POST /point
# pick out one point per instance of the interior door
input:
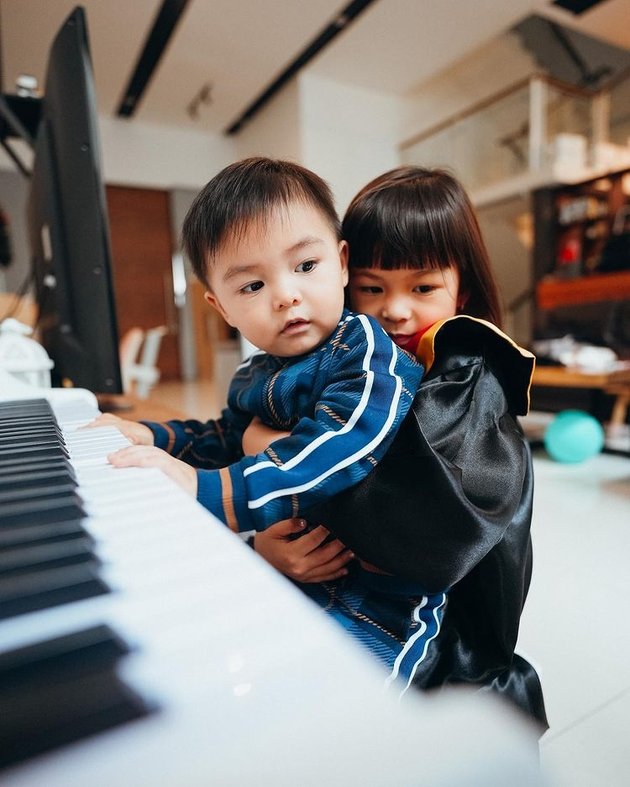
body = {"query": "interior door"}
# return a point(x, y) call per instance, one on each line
point(142, 248)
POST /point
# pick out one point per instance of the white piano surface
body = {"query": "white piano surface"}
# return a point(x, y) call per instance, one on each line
point(253, 684)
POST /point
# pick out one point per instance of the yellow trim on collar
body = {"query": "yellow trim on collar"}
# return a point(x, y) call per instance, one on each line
point(425, 351)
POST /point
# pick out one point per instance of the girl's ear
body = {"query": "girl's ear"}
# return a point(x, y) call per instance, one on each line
point(462, 300)
point(343, 257)
point(212, 299)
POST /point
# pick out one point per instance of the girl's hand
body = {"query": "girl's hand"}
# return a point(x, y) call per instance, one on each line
point(137, 433)
point(305, 559)
point(148, 456)
point(257, 437)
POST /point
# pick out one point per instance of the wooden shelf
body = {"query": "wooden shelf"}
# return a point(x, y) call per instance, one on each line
point(551, 293)
point(562, 377)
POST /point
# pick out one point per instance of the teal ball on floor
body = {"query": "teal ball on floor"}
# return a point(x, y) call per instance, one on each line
point(573, 436)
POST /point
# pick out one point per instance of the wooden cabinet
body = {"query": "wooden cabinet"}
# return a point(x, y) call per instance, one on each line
point(582, 288)
point(552, 292)
point(575, 225)
point(581, 253)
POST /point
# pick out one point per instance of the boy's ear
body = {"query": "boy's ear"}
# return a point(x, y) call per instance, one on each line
point(212, 299)
point(343, 256)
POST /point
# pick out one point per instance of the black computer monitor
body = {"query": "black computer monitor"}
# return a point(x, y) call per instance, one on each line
point(68, 224)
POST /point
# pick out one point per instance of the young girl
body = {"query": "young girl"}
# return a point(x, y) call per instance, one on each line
point(441, 527)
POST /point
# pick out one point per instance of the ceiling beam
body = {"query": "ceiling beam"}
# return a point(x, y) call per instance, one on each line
point(340, 23)
point(576, 6)
point(164, 25)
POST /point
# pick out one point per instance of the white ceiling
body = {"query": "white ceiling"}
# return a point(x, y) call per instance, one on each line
point(240, 46)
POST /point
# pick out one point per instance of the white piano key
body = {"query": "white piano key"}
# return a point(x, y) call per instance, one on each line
point(254, 684)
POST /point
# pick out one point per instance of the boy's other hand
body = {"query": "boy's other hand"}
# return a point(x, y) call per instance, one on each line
point(137, 433)
point(149, 456)
point(305, 559)
point(258, 436)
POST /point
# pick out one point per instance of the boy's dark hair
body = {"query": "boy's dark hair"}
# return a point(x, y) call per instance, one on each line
point(412, 217)
point(245, 191)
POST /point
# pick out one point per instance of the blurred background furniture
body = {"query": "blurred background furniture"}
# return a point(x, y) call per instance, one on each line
point(139, 352)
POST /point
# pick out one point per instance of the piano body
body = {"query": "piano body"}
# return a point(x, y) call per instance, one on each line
point(142, 643)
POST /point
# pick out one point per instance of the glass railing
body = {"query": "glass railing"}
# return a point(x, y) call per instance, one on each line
point(539, 126)
point(620, 111)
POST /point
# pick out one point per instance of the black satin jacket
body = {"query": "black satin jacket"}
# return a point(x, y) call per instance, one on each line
point(450, 507)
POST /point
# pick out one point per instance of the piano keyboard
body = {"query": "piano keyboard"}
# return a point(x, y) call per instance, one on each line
point(141, 642)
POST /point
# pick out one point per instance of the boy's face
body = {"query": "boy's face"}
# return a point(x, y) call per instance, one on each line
point(281, 284)
point(405, 301)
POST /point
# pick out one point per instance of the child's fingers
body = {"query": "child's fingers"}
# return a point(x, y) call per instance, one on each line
point(287, 527)
point(138, 456)
point(333, 569)
point(137, 433)
point(150, 456)
point(333, 549)
point(314, 542)
point(104, 419)
point(314, 538)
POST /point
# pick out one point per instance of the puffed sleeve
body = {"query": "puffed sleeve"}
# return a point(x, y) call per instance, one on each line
point(458, 474)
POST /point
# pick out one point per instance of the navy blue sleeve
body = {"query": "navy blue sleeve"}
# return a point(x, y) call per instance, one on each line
point(371, 384)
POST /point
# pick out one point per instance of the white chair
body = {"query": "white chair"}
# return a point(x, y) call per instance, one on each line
point(140, 375)
point(129, 350)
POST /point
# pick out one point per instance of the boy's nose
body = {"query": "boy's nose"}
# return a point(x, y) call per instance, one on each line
point(286, 297)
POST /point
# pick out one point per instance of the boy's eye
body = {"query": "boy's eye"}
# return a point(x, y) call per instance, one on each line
point(306, 267)
point(253, 287)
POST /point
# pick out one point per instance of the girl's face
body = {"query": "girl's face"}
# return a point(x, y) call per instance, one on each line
point(405, 301)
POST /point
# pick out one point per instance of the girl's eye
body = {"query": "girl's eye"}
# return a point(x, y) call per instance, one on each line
point(253, 287)
point(371, 290)
point(424, 288)
point(306, 267)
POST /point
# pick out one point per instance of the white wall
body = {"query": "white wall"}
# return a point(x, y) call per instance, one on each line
point(349, 134)
point(505, 230)
point(275, 131)
point(346, 134)
point(140, 154)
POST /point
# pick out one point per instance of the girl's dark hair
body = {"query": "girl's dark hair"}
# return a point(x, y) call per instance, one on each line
point(246, 191)
point(412, 217)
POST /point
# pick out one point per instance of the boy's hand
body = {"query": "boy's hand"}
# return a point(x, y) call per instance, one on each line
point(305, 559)
point(258, 436)
point(137, 433)
point(149, 456)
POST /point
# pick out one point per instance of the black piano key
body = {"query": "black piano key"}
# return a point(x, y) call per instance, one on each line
point(28, 464)
point(62, 490)
point(27, 406)
point(44, 432)
point(43, 589)
point(34, 451)
point(29, 449)
point(43, 510)
point(11, 537)
point(8, 419)
point(80, 651)
point(62, 690)
point(39, 557)
point(13, 442)
point(37, 478)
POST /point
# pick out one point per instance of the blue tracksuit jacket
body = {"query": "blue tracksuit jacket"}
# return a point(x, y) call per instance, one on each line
point(343, 404)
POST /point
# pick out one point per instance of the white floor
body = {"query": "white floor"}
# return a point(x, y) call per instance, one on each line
point(575, 625)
